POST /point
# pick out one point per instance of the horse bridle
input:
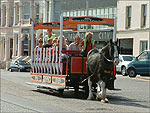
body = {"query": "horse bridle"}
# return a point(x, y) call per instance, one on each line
point(107, 58)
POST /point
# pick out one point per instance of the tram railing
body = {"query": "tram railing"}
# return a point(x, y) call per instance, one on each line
point(47, 60)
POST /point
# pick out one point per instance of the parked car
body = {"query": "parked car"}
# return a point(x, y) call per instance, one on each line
point(19, 66)
point(140, 65)
point(124, 60)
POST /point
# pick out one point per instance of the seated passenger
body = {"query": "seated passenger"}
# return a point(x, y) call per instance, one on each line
point(49, 43)
point(67, 43)
point(88, 43)
point(40, 44)
point(76, 44)
point(64, 47)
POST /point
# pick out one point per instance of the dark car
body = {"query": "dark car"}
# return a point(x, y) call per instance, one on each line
point(19, 66)
point(140, 65)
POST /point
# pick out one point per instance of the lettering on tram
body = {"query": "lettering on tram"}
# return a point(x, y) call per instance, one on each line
point(58, 80)
point(87, 19)
point(36, 78)
point(46, 78)
point(84, 19)
point(51, 24)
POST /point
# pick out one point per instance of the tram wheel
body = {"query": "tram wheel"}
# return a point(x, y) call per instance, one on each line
point(61, 91)
point(76, 89)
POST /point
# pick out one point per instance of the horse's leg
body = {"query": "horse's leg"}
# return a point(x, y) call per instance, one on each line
point(103, 92)
point(98, 90)
point(90, 97)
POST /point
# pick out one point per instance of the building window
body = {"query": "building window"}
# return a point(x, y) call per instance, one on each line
point(17, 13)
point(0, 13)
point(37, 7)
point(4, 15)
point(128, 17)
point(98, 12)
point(47, 11)
point(78, 13)
point(12, 16)
point(26, 11)
point(83, 13)
point(90, 12)
point(143, 45)
point(94, 12)
point(64, 14)
point(75, 13)
point(68, 13)
point(71, 13)
point(143, 15)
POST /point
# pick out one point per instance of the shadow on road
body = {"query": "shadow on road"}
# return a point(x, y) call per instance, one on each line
point(116, 100)
point(66, 94)
point(120, 100)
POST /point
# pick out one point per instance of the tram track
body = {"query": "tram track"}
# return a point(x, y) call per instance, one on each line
point(27, 108)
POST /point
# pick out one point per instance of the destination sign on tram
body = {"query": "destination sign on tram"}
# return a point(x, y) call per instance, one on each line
point(53, 25)
point(89, 20)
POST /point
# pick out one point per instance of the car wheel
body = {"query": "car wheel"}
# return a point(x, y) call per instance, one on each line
point(10, 70)
point(19, 70)
point(123, 71)
point(131, 72)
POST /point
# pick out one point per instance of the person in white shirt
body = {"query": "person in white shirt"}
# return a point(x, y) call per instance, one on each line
point(76, 44)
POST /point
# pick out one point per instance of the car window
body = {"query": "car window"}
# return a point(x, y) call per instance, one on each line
point(23, 63)
point(127, 58)
point(120, 59)
point(12, 62)
point(144, 56)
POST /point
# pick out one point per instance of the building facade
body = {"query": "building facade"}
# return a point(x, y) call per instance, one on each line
point(133, 25)
point(16, 17)
point(15, 26)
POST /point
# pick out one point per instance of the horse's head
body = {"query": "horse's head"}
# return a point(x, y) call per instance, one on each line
point(111, 52)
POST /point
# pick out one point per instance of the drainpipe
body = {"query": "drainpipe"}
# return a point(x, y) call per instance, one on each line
point(149, 26)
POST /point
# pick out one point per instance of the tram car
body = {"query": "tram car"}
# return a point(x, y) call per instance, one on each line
point(49, 71)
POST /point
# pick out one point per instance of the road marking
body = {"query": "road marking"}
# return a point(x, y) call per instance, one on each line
point(143, 79)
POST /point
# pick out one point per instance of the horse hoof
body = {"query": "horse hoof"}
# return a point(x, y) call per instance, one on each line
point(90, 98)
point(103, 101)
point(106, 100)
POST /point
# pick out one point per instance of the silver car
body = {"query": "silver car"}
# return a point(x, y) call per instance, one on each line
point(124, 60)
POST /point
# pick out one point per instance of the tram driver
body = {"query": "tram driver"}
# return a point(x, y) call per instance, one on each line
point(88, 43)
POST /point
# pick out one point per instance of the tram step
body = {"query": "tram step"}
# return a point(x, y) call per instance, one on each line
point(47, 86)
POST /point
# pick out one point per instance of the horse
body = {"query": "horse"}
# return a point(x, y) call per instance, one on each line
point(100, 69)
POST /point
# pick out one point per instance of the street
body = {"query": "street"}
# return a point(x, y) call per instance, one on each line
point(132, 95)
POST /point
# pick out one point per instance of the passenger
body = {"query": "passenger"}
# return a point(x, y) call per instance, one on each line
point(55, 42)
point(67, 43)
point(49, 36)
point(64, 47)
point(76, 44)
point(88, 43)
point(40, 44)
point(50, 44)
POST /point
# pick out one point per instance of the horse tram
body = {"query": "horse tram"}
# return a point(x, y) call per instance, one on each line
point(50, 72)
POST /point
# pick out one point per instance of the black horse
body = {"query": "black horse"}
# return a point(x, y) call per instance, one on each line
point(100, 69)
